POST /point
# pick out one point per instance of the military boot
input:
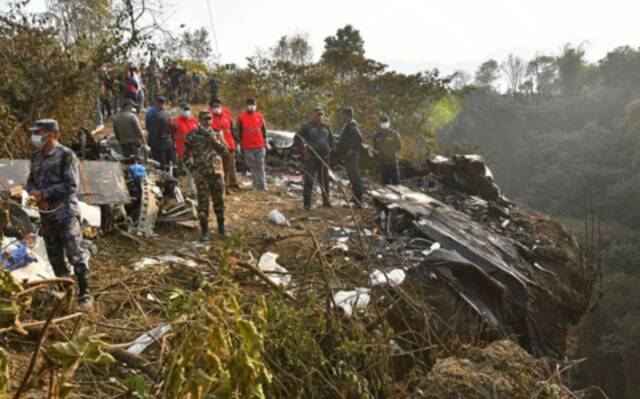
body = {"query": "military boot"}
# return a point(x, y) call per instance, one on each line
point(204, 228)
point(221, 229)
point(85, 302)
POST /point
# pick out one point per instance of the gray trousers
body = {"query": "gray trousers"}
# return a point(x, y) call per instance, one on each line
point(255, 162)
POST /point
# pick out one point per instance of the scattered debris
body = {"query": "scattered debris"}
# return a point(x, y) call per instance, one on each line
point(276, 273)
point(276, 217)
point(348, 301)
point(145, 340)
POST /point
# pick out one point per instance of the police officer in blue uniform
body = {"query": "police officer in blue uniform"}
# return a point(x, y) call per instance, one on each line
point(349, 146)
point(315, 142)
point(53, 184)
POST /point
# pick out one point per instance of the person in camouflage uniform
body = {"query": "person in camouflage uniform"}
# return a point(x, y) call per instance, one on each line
point(53, 184)
point(202, 152)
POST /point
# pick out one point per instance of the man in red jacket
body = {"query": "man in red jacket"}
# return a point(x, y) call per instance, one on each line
point(222, 121)
point(252, 133)
point(184, 123)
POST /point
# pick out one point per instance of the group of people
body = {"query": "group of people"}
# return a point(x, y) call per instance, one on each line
point(206, 147)
point(315, 142)
point(182, 141)
point(140, 82)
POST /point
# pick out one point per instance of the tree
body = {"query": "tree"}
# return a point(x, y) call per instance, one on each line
point(295, 49)
point(543, 71)
point(514, 70)
point(346, 38)
point(459, 80)
point(571, 68)
point(487, 74)
point(196, 45)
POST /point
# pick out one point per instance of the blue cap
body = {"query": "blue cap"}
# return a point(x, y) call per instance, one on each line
point(318, 110)
point(47, 125)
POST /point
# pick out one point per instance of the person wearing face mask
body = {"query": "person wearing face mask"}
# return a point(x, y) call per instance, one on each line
point(201, 152)
point(349, 146)
point(53, 185)
point(252, 134)
point(184, 123)
point(387, 144)
point(222, 122)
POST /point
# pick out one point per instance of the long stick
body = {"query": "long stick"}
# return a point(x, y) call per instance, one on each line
point(36, 351)
point(260, 274)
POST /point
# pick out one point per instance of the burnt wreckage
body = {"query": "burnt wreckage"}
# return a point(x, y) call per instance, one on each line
point(471, 264)
point(489, 269)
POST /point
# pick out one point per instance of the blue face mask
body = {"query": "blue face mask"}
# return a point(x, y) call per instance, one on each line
point(186, 113)
point(385, 125)
point(38, 141)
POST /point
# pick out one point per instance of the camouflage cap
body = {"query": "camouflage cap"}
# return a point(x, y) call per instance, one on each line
point(47, 125)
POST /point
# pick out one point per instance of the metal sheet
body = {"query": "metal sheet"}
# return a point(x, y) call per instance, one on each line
point(13, 173)
point(101, 182)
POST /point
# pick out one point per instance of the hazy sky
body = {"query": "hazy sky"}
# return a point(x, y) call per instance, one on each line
point(412, 35)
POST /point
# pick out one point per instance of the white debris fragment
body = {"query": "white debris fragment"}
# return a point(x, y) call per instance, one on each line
point(145, 340)
point(276, 217)
point(177, 260)
point(343, 239)
point(90, 214)
point(341, 246)
point(273, 270)
point(349, 300)
point(148, 262)
point(434, 247)
point(144, 263)
point(394, 277)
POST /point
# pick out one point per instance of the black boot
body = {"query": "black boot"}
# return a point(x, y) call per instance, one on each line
point(204, 228)
point(85, 301)
point(221, 229)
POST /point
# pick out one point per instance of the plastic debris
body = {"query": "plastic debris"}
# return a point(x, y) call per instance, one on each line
point(394, 277)
point(273, 270)
point(36, 270)
point(350, 300)
point(16, 255)
point(276, 217)
point(145, 340)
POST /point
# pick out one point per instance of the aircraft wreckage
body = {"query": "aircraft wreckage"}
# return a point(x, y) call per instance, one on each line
point(473, 265)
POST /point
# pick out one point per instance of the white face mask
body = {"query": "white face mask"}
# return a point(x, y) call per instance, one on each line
point(38, 141)
point(186, 113)
point(217, 110)
point(385, 125)
point(251, 108)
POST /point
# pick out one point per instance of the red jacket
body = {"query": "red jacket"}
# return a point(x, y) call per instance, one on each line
point(182, 127)
point(223, 122)
point(250, 127)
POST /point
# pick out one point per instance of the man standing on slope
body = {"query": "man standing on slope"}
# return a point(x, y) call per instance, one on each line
point(163, 147)
point(126, 128)
point(53, 184)
point(315, 142)
point(349, 147)
point(201, 149)
point(222, 122)
point(252, 133)
point(388, 145)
